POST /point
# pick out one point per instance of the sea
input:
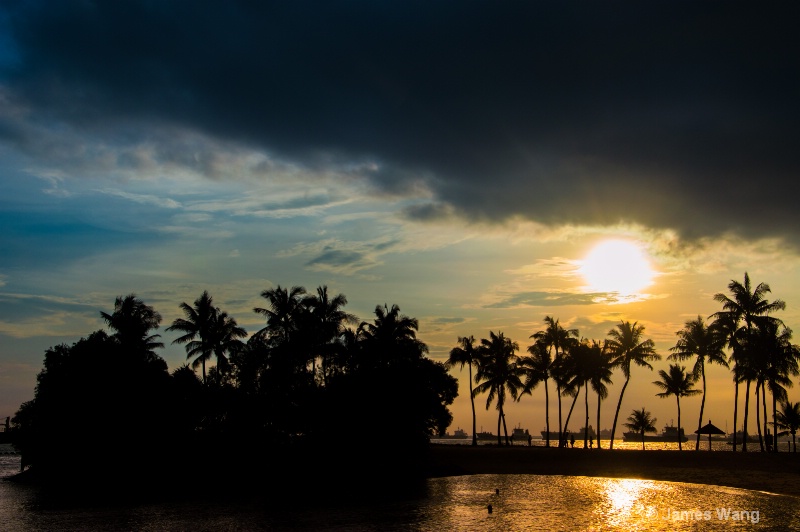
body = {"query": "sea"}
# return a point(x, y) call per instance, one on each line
point(620, 443)
point(473, 502)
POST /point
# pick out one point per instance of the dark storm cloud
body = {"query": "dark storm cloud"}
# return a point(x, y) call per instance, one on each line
point(679, 115)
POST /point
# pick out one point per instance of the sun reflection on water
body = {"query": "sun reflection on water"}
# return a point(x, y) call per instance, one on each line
point(519, 502)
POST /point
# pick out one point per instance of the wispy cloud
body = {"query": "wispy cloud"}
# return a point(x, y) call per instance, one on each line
point(147, 199)
point(550, 299)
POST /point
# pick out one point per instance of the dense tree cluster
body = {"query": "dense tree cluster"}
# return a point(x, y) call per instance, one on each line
point(301, 395)
point(758, 343)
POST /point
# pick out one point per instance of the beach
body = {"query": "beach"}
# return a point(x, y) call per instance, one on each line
point(774, 473)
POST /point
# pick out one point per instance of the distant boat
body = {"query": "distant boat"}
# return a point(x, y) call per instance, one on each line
point(668, 434)
point(486, 436)
point(458, 434)
point(751, 438)
point(520, 434)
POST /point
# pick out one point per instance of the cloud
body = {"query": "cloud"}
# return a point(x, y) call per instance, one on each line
point(341, 261)
point(26, 316)
point(550, 299)
point(561, 114)
point(147, 199)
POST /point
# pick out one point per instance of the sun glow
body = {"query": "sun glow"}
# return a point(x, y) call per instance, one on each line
point(617, 266)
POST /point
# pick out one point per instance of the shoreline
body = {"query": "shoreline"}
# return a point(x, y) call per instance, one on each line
point(777, 473)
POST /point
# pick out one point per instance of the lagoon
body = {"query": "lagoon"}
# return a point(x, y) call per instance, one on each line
point(519, 502)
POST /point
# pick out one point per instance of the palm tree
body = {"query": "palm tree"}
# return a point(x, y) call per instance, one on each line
point(572, 371)
point(584, 357)
point(600, 369)
point(536, 368)
point(197, 325)
point(627, 347)
point(466, 353)
point(497, 372)
point(327, 324)
point(707, 343)
point(559, 340)
point(225, 339)
point(789, 418)
point(285, 306)
point(391, 337)
point(775, 360)
point(747, 307)
point(678, 383)
point(641, 422)
point(132, 321)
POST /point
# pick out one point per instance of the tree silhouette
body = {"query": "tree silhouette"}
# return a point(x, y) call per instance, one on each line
point(391, 336)
point(747, 307)
point(774, 361)
point(132, 321)
point(641, 421)
point(327, 322)
point(536, 368)
point(627, 347)
point(678, 383)
point(789, 418)
point(707, 344)
point(572, 371)
point(198, 328)
point(466, 353)
point(225, 339)
point(598, 371)
point(498, 372)
point(558, 340)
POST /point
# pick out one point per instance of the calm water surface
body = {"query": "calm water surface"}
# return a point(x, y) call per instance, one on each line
point(619, 443)
point(524, 502)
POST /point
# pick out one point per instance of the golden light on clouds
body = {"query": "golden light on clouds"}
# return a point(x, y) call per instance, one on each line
point(617, 266)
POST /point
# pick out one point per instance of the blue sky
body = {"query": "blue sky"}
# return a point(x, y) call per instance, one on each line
point(459, 163)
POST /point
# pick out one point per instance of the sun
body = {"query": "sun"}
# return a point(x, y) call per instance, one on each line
point(617, 266)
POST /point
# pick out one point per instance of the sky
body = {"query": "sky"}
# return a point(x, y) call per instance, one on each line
point(458, 159)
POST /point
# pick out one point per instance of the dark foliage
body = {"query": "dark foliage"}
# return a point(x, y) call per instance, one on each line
point(296, 402)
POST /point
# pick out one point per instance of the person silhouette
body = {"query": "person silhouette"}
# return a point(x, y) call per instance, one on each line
point(572, 440)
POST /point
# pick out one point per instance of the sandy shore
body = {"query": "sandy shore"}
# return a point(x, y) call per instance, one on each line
point(775, 473)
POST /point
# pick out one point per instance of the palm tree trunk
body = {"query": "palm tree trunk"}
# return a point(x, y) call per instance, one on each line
point(546, 414)
point(472, 401)
point(680, 440)
point(499, 419)
point(586, 422)
point(569, 415)
point(598, 420)
point(204, 370)
point(735, 412)
point(616, 416)
point(612, 430)
point(774, 420)
point(758, 417)
point(764, 409)
point(505, 428)
point(702, 406)
point(746, 407)
point(560, 432)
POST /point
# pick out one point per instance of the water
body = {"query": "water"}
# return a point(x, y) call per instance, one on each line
point(524, 502)
point(619, 443)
